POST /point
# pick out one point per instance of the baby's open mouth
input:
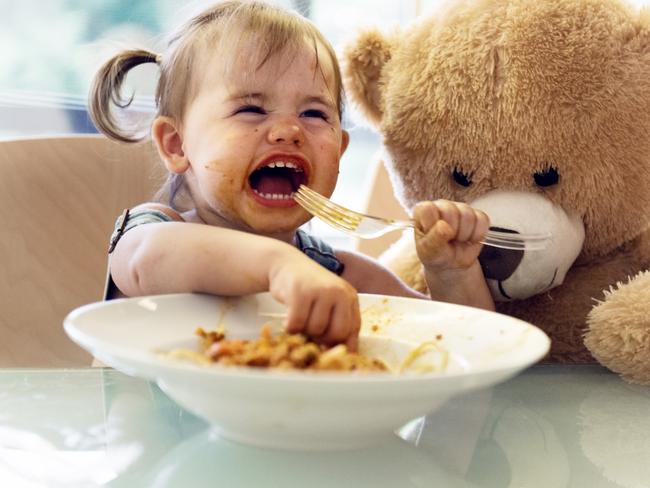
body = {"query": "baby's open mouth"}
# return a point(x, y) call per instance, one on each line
point(278, 180)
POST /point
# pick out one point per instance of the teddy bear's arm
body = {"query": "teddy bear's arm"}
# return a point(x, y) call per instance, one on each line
point(619, 329)
point(402, 259)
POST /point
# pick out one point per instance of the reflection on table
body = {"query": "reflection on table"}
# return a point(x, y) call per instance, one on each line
point(552, 426)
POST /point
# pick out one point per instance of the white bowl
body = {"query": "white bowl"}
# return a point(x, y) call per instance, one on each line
point(306, 410)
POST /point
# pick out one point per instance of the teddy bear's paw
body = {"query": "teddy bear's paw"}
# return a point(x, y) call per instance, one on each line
point(618, 332)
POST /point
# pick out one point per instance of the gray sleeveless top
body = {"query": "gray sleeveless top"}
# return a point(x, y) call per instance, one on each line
point(311, 246)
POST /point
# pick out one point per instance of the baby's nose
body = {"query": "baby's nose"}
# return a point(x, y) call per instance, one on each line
point(286, 132)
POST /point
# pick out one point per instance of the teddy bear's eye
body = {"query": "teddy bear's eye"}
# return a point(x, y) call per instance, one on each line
point(547, 177)
point(462, 178)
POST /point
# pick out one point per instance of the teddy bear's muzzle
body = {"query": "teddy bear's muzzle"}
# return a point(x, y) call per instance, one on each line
point(499, 264)
point(519, 274)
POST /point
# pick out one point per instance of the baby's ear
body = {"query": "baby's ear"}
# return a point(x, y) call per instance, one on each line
point(364, 61)
point(168, 141)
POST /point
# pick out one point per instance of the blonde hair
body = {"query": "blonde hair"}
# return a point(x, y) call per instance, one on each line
point(229, 23)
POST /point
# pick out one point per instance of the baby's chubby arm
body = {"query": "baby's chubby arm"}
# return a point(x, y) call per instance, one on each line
point(181, 257)
point(447, 240)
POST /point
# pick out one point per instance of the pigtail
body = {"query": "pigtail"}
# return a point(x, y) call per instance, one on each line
point(106, 92)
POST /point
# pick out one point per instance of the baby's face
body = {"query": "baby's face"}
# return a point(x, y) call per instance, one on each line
point(252, 137)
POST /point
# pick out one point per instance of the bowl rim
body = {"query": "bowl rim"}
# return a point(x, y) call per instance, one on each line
point(152, 360)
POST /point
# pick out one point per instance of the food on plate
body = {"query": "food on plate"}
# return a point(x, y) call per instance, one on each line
point(411, 362)
point(284, 351)
point(296, 352)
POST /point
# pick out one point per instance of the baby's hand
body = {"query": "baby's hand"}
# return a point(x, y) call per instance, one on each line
point(448, 234)
point(321, 305)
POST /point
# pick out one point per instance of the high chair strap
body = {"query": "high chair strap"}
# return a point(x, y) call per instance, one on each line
point(319, 251)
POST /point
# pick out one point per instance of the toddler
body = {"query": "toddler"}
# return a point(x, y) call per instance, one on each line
point(249, 105)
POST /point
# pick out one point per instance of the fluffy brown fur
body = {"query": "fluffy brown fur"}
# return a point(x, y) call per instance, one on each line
point(502, 89)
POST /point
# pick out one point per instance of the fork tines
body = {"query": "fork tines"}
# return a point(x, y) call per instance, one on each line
point(326, 210)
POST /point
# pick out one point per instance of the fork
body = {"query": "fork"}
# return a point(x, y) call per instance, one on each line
point(369, 227)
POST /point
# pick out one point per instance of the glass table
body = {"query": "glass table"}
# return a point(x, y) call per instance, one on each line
point(550, 427)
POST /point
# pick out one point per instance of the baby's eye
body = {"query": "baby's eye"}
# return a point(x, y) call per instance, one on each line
point(315, 113)
point(252, 109)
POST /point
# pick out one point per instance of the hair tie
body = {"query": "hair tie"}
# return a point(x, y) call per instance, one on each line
point(158, 59)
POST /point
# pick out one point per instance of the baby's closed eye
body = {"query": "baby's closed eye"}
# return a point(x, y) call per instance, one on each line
point(313, 112)
point(254, 109)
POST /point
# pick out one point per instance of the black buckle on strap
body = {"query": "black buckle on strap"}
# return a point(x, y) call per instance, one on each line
point(120, 231)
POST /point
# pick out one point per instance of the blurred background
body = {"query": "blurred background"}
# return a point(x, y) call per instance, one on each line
point(49, 51)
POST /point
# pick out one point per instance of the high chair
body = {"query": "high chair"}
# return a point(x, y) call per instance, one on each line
point(59, 199)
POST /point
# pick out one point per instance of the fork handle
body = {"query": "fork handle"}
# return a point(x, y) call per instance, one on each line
point(402, 224)
point(503, 240)
point(492, 235)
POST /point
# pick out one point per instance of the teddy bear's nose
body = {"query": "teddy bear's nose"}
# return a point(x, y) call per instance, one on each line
point(499, 264)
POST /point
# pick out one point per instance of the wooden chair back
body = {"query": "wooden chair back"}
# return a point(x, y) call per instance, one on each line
point(59, 198)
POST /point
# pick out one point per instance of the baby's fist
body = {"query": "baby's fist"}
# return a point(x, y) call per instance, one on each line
point(448, 234)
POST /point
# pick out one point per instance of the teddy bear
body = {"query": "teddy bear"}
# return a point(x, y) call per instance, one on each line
point(538, 113)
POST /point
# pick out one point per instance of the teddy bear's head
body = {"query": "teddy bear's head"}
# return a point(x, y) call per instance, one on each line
point(537, 112)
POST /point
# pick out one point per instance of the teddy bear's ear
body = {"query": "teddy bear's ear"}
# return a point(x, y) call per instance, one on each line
point(363, 62)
